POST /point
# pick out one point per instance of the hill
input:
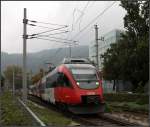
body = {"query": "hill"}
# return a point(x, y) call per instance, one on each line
point(37, 60)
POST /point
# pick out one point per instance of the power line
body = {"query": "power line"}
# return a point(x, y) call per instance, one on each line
point(56, 38)
point(45, 23)
point(57, 33)
point(39, 26)
point(83, 11)
point(48, 31)
point(80, 21)
point(72, 14)
point(53, 40)
point(49, 34)
point(82, 15)
point(94, 19)
point(73, 19)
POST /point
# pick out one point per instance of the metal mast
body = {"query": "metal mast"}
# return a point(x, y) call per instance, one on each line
point(24, 56)
point(96, 45)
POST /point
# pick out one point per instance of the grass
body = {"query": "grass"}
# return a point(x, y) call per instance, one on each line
point(128, 106)
point(48, 116)
point(12, 112)
point(124, 97)
point(108, 108)
point(127, 102)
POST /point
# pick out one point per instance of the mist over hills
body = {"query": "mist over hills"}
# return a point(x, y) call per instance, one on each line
point(37, 60)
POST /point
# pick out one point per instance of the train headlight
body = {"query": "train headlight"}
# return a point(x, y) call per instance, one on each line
point(78, 83)
point(97, 83)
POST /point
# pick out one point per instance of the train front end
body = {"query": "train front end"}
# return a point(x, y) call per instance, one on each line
point(87, 90)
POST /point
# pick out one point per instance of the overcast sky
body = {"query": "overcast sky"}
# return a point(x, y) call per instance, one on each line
point(63, 13)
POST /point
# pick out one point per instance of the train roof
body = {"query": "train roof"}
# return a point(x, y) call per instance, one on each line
point(79, 66)
point(75, 61)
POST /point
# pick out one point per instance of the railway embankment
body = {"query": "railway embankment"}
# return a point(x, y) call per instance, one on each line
point(13, 113)
point(130, 107)
point(50, 117)
point(137, 103)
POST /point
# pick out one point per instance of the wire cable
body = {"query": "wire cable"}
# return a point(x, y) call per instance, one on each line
point(58, 33)
point(83, 11)
point(73, 19)
point(48, 31)
point(40, 26)
point(45, 23)
point(54, 40)
point(72, 14)
point(94, 19)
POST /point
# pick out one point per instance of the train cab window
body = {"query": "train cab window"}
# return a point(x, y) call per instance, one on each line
point(86, 77)
point(63, 80)
point(60, 79)
point(66, 82)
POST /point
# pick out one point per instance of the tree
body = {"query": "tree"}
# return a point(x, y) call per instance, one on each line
point(38, 76)
point(128, 58)
point(17, 75)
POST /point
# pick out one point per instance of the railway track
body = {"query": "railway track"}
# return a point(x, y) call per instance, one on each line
point(86, 120)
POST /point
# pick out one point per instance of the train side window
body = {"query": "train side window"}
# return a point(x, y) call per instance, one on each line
point(51, 81)
point(54, 82)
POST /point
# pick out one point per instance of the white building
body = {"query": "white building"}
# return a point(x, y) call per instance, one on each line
point(109, 38)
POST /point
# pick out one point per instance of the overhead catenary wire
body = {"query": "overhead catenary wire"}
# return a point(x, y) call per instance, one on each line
point(48, 31)
point(54, 40)
point(72, 14)
point(33, 21)
point(39, 26)
point(57, 33)
point(30, 37)
point(83, 11)
point(94, 19)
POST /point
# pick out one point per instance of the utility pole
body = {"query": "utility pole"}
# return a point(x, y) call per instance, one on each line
point(96, 45)
point(13, 90)
point(24, 56)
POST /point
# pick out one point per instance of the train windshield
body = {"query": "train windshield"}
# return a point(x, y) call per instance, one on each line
point(86, 78)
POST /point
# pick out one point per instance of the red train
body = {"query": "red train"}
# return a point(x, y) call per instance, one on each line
point(75, 85)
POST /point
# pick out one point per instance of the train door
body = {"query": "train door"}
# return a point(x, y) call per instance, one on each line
point(65, 88)
point(62, 91)
point(59, 88)
point(50, 86)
